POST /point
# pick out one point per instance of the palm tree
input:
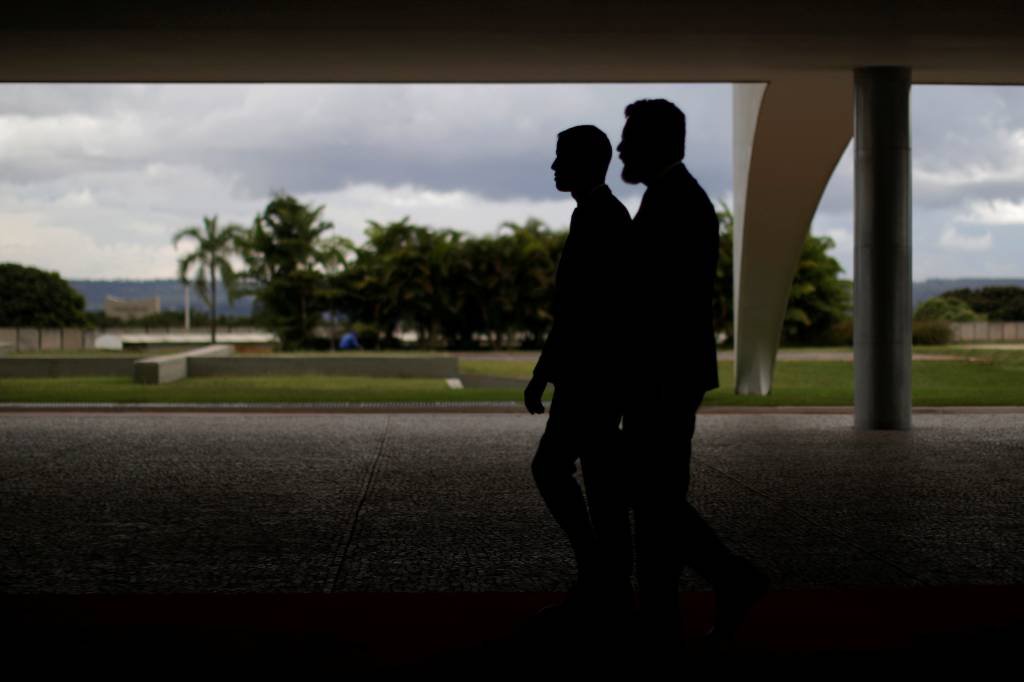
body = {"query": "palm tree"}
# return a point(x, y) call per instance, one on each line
point(291, 266)
point(210, 257)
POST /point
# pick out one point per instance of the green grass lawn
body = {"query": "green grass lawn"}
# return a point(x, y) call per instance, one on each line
point(999, 382)
point(507, 369)
point(274, 389)
point(349, 354)
point(984, 377)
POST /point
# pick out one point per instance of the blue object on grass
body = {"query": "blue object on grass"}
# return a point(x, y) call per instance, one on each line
point(349, 341)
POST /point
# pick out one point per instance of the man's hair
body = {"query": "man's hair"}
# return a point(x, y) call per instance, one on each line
point(590, 144)
point(661, 120)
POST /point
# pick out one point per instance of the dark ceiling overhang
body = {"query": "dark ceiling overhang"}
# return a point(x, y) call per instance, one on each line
point(979, 41)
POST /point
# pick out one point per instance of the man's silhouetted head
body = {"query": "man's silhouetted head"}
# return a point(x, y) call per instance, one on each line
point(653, 138)
point(582, 155)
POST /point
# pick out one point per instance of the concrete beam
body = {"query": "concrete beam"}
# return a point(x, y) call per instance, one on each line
point(788, 136)
point(553, 41)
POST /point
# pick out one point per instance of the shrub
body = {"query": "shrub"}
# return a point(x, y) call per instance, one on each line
point(994, 303)
point(932, 332)
point(839, 334)
point(368, 334)
point(34, 298)
point(943, 308)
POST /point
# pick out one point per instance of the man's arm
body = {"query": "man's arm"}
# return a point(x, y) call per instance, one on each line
point(548, 360)
point(543, 373)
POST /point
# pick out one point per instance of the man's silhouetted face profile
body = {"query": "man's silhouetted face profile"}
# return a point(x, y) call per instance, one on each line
point(582, 155)
point(653, 139)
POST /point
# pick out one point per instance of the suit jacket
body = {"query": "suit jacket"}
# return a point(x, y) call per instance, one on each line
point(675, 237)
point(589, 292)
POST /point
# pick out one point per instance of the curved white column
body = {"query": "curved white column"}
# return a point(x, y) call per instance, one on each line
point(788, 136)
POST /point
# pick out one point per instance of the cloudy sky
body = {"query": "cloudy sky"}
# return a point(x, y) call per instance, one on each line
point(95, 179)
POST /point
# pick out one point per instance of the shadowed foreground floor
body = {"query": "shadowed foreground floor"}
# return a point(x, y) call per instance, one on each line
point(488, 633)
point(356, 541)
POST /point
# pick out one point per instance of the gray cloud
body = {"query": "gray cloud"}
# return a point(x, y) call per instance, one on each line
point(125, 165)
point(495, 140)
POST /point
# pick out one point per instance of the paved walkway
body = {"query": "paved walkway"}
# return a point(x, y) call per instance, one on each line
point(784, 355)
point(995, 346)
point(852, 527)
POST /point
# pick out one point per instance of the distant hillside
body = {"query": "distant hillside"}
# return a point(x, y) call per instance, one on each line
point(930, 288)
point(170, 291)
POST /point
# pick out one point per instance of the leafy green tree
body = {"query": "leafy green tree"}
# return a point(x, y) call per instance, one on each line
point(449, 287)
point(945, 308)
point(413, 265)
point(818, 298)
point(389, 279)
point(290, 258)
point(533, 251)
point(34, 298)
point(452, 293)
point(213, 248)
point(511, 281)
point(993, 303)
point(722, 304)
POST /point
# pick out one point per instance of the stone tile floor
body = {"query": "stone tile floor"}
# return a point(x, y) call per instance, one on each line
point(256, 505)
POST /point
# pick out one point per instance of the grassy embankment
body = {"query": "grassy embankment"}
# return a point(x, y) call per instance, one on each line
point(982, 377)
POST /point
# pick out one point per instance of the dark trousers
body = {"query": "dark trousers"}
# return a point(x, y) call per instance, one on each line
point(658, 427)
point(583, 427)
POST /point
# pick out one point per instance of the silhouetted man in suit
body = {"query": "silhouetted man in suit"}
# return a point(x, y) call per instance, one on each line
point(585, 409)
point(675, 238)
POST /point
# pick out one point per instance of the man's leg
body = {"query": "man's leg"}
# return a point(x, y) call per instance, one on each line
point(554, 468)
point(602, 464)
point(670, 532)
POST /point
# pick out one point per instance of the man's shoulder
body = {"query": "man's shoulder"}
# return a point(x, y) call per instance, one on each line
point(679, 188)
point(606, 207)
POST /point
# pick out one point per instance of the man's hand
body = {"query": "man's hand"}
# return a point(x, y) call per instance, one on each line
point(533, 394)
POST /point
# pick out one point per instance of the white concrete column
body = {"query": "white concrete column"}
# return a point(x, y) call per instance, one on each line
point(882, 332)
point(788, 136)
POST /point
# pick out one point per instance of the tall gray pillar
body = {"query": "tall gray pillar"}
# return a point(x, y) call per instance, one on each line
point(882, 279)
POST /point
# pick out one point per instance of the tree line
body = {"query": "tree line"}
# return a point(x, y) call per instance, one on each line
point(456, 291)
point(998, 303)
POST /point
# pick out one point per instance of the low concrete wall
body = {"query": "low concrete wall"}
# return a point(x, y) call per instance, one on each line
point(72, 339)
point(422, 367)
point(50, 339)
point(164, 369)
point(987, 331)
point(28, 339)
point(42, 368)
